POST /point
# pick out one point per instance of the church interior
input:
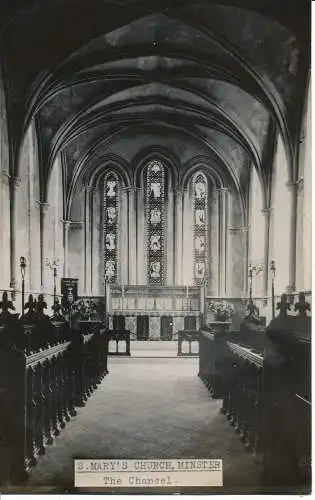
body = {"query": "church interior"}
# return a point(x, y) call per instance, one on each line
point(156, 155)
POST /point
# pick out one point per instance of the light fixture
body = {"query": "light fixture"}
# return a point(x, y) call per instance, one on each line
point(23, 268)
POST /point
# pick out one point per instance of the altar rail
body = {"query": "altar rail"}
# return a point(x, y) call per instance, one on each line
point(116, 338)
point(265, 391)
point(40, 393)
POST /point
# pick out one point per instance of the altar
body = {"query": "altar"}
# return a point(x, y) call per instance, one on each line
point(152, 312)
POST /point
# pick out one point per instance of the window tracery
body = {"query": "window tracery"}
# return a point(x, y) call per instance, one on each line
point(155, 221)
point(200, 227)
point(111, 225)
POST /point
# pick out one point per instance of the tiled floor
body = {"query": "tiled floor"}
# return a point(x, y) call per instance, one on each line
point(148, 408)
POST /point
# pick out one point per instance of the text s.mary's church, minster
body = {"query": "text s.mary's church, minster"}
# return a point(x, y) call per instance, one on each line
point(162, 145)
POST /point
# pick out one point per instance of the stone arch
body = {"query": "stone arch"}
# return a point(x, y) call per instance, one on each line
point(168, 159)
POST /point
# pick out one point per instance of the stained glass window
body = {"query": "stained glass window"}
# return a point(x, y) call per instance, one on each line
point(111, 226)
point(200, 229)
point(155, 218)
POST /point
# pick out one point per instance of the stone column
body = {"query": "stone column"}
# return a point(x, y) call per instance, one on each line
point(217, 234)
point(140, 236)
point(266, 212)
point(66, 227)
point(237, 259)
point(94, 240)
point(132, 237)
point(29, 223)
point(43, 208)
point(300, 256)
point(5, 228)
point(178, 256)
point(229, 243)
point(292, 186)
point(14, 182)
point(74, 247)
point(170, 238)
point(223, 212)
point(87, 242)
point(124, 250)
point(245, 231)
point(188, 240)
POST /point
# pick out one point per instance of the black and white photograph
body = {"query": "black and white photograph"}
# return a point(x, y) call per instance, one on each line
point(155, 247)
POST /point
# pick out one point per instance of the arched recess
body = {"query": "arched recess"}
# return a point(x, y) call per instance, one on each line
point(85, 234)
point(201, 237)
point(27, 213)
point(156, 226)
point(109, 225)
point(112, 215)
point(227, 235)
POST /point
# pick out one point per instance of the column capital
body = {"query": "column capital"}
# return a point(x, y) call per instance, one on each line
point(238, 229)
point(266, 211)
point(66, 223)
point(74, 224)
point(292, 186)
point(131, 192)
point(13, 285)
point(42, 205)
point(15, 181)
point(178, 191)
point(223, 189)
point(290, 289)
point(91, 191)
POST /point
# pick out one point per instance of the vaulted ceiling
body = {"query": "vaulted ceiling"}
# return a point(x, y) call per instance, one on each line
point(220, 76)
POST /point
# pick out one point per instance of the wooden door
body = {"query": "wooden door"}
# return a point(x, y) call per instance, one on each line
point(142, 327)
point(166, 327)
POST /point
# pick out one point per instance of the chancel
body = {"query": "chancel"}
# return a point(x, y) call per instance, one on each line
point(155, 196)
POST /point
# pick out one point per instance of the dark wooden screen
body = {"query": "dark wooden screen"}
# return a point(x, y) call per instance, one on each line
point(190, 323)
point(142, 327)
point(119, 323)
point(166, 327)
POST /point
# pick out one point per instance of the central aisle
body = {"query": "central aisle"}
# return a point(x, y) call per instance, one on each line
point(148, 408)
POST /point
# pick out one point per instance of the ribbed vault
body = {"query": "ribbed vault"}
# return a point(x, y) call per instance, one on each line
point(223, 76)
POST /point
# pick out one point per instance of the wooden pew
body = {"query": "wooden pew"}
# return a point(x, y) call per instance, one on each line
point(265, 385)
point(42, 382)
point(286, 397)
point(242, 394)
point(213, 353)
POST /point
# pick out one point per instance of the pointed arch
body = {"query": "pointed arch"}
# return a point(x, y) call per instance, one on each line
point(199, 185)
